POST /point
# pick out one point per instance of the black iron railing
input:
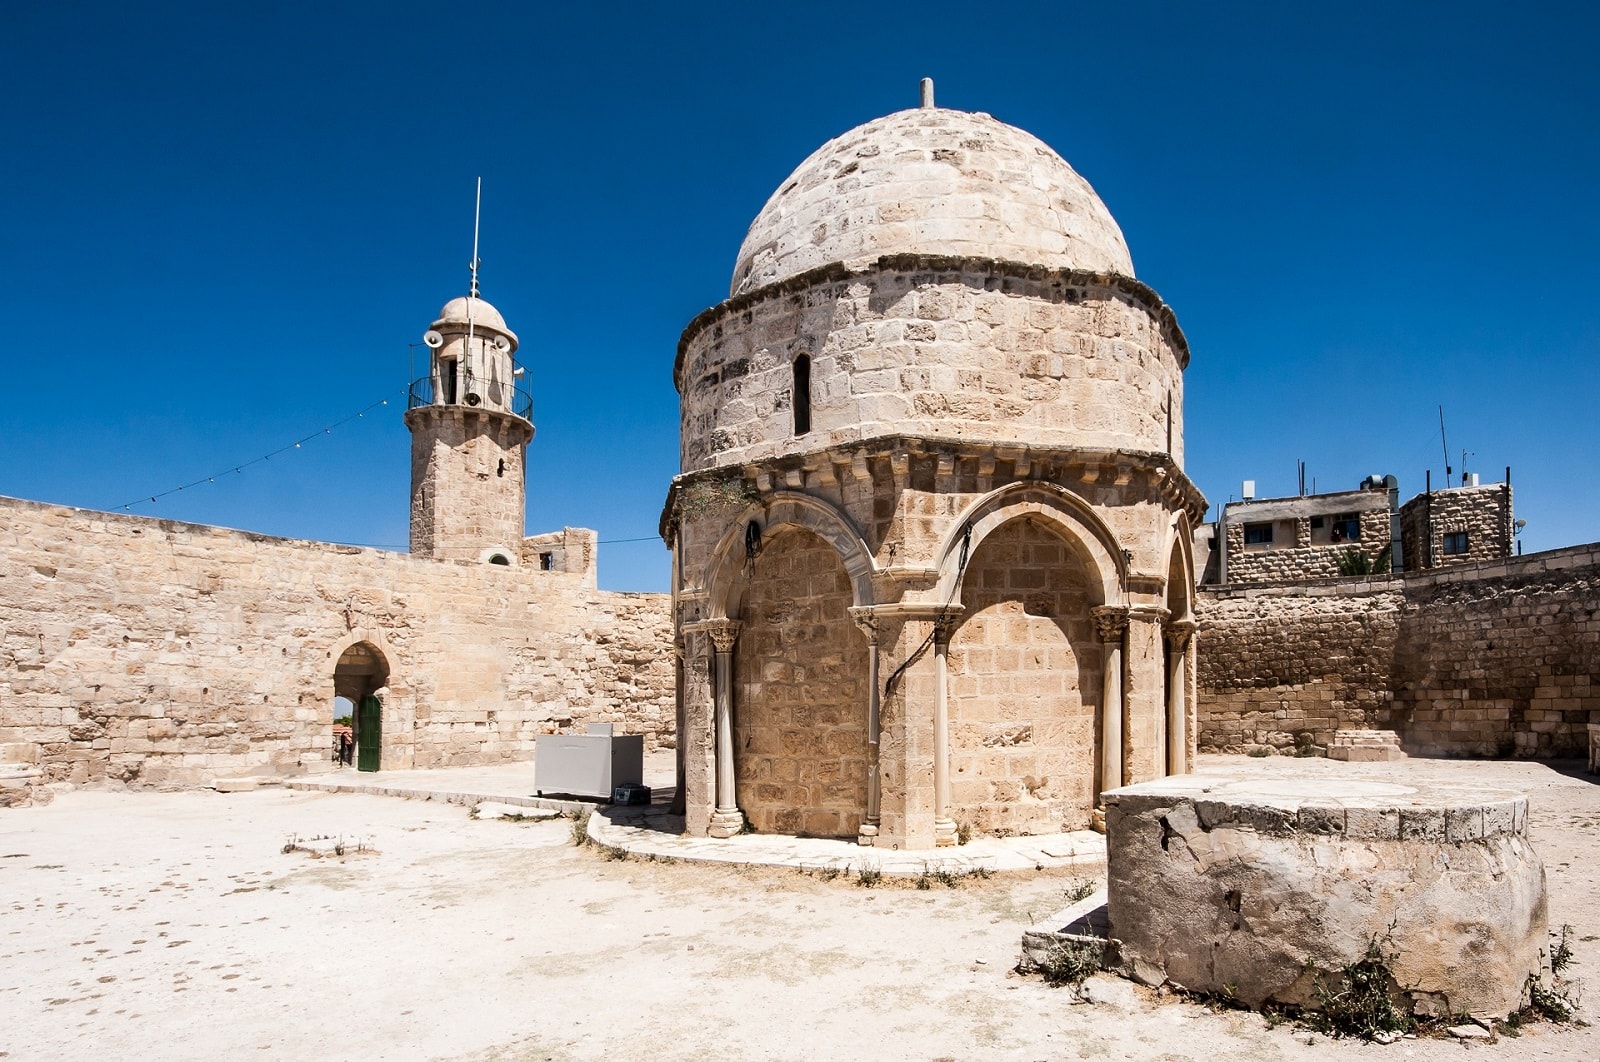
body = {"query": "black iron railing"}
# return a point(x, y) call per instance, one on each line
point(483, 394)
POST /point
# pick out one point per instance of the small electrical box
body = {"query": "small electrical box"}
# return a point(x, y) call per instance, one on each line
point(630, 793)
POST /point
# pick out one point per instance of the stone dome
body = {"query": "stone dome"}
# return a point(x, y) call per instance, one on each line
point(483, 316)
point(931, 181)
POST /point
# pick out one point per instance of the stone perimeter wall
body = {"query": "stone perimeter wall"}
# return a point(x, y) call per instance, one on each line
point(1491, 659)
point(159, 653)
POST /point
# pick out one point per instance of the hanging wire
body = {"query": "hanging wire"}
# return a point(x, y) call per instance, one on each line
point(944, 613)
point(239, 468)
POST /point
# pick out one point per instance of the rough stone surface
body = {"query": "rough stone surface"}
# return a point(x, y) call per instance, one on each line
point(1025, 667)
point(933, 181)
point(1487, 659)
point(1298, 549)
point(944, 347)
point(803, 676)
point(1256, 889)
point(1366, 746)
point(935, 353)
point(1483, 513)
point(159, 653)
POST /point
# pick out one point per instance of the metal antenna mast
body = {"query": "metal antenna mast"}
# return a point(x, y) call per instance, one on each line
point(1446, 446)
point(472, 287)
point(477, 212)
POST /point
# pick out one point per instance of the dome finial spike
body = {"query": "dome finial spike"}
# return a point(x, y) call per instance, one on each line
point(477, 211)
point(927, 93)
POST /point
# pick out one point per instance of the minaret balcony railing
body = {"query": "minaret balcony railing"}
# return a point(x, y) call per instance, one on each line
point(491, 395)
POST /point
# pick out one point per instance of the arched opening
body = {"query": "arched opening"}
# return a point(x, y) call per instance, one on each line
point(359, 677)
point(1024, 684)
point(1175, 658)
point(500, 558)
point(802, 394)
point(800, 682)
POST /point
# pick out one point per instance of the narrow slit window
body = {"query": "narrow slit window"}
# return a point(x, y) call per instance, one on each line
point(802, 394)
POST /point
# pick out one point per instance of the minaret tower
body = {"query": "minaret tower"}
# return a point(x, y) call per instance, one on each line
point(471, 421)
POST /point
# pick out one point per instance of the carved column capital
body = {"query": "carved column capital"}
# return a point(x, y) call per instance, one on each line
point(1179, 632)
point(867, 620)
point(1110, 621)
point(723, 634)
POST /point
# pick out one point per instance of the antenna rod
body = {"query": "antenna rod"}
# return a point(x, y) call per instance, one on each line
point(1446, 447)
point(477, 211)
point(472, 288)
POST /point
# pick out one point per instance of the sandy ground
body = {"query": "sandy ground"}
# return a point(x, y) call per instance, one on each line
point(174, 926)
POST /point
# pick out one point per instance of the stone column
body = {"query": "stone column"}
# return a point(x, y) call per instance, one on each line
point(1178, 633)
point(1111, 622)
point(869, 822)
point(1144, 695)
point(944, 827)
point(907, 701)
point(727, 820)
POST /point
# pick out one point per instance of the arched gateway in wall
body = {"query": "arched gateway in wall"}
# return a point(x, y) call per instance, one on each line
point(928, 537)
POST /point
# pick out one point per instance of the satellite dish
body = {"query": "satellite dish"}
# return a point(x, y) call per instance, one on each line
point(433, 339)
point(472, 398)
point(502, 344)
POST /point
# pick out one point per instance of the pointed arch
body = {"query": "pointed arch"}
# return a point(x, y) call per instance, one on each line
point(1180, 567)
point(726, 575)
point(1070, 515)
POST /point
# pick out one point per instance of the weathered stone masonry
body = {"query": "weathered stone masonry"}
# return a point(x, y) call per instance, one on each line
point(164, 653)
point(1498, 658)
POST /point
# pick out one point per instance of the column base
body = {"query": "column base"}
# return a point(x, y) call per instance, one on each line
point(944, 833)
point(867, 836)
point(725, 824)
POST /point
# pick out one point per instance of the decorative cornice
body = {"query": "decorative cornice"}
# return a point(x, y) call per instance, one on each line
point(1149, 613)
point(1069, 466)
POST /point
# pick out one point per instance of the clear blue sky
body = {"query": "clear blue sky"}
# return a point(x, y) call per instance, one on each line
point(223, 226)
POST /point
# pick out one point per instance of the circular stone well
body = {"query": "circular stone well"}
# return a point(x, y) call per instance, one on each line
point(1257, 889)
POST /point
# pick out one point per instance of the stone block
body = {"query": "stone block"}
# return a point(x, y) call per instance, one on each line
point(1455, 901)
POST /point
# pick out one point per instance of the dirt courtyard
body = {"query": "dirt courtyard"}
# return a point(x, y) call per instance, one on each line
point(174, 926)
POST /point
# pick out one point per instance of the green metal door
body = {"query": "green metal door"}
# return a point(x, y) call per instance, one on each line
point(369, 733)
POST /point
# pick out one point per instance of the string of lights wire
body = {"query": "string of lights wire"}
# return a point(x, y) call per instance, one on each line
point(240, 467)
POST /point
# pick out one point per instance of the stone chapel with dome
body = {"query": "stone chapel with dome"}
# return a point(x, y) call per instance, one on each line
point(932, 566)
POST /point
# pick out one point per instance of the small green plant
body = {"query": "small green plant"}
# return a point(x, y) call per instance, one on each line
point(1561, 950)
point(963, 832)
point(1359, 562)
point(982, 873)
point(1557, 1001)
point(827, 873)
point(611, 851)
point(1068, 961)
point(1081, 890)
point(868, 877)
point(580, 827)
point(923, 881)
point(1360, 1002)
point(715, 497)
